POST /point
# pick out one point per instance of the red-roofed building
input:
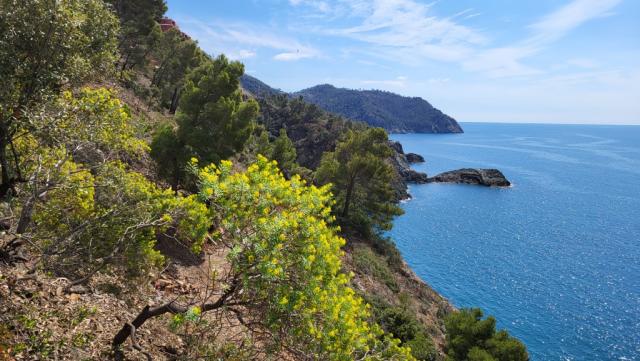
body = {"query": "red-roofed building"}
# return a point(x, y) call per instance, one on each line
point(167, 24)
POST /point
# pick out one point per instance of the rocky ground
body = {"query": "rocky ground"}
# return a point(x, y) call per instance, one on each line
point(42, 317)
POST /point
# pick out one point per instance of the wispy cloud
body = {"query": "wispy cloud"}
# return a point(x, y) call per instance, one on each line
point(410, 26)
point(398, 82)
point(245, 54)
point(411, 32)
point(508, 60)
point(470, 16)
point(560, 22)
point(318, 5)
point(303, 53)
point(583, 63)
point(243, 40)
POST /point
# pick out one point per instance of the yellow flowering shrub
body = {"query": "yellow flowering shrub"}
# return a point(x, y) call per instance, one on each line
point(90, 211)
point(111, 218)
point(89, 118)
point(286, 254)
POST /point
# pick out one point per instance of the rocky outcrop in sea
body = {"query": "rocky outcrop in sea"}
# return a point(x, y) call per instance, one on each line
point(485, 177)
point(414, 158)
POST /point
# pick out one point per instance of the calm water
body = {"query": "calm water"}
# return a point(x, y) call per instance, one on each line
point(556, 258)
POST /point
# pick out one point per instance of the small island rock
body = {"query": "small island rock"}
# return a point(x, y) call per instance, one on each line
point(485, 177)
point(414, 158)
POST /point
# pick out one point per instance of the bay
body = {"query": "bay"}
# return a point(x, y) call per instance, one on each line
point(556, 257)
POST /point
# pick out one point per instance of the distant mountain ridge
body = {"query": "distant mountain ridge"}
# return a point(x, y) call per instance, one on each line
point(393, 112)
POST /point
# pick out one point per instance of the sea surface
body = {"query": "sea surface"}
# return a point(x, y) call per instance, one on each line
point(556, 257)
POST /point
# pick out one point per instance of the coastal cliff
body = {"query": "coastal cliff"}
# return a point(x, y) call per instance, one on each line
point(156, 227)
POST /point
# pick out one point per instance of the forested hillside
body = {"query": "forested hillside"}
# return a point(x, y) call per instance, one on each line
point(152, 210)
point(395, 113)
point(257, 88)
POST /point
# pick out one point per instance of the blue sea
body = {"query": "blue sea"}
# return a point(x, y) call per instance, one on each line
point(556, 257)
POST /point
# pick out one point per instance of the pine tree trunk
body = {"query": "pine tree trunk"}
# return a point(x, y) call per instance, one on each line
point(4, 163)
point(174, 102)
point(347, 199)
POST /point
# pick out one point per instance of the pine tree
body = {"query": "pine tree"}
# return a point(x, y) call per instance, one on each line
point(139, 29)
point(284, 153)
point(469, 337)
point(361, 179)
point(175, 56)
point(213, 120)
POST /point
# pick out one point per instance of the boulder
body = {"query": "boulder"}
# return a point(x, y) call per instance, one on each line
point(485, 177)
point(397, 146)
point(411, 176)
point(414, 158)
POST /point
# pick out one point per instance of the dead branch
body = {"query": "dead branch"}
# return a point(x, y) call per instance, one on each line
point(170, 307)
point(134, 342)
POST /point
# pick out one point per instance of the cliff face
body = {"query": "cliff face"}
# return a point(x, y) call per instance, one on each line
point(405, 174)
point(404, 289)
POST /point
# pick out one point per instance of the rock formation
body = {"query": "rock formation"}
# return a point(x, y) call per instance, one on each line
point(485, 177)
point(405, 173)
point(414, 158)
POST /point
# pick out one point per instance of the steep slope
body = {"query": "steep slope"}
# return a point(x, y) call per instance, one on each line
point(395, 113)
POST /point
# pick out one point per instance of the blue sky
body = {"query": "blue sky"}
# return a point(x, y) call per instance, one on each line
point(543, 61)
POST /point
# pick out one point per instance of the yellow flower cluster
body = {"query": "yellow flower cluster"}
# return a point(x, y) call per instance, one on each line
point(283, 230)
point(98, 116)
point(103, 207)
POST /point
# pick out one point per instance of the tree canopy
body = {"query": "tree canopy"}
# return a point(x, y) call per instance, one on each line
point(213, 120)
point(139, 32)
point(176, 56)
point(360, 178)
point(469, 337)
point(45, 46)
point(85, 207)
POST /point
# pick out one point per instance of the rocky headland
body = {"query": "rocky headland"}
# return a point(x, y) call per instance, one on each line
point(402, 162)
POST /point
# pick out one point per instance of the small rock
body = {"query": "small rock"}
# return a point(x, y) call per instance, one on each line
point(5, 225)
point(414, 158)
point(78, 289)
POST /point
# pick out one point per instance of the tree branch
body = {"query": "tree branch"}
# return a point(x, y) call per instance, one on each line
point(170, 307)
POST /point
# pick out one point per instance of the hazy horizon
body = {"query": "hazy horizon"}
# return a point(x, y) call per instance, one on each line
point(569, 61)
